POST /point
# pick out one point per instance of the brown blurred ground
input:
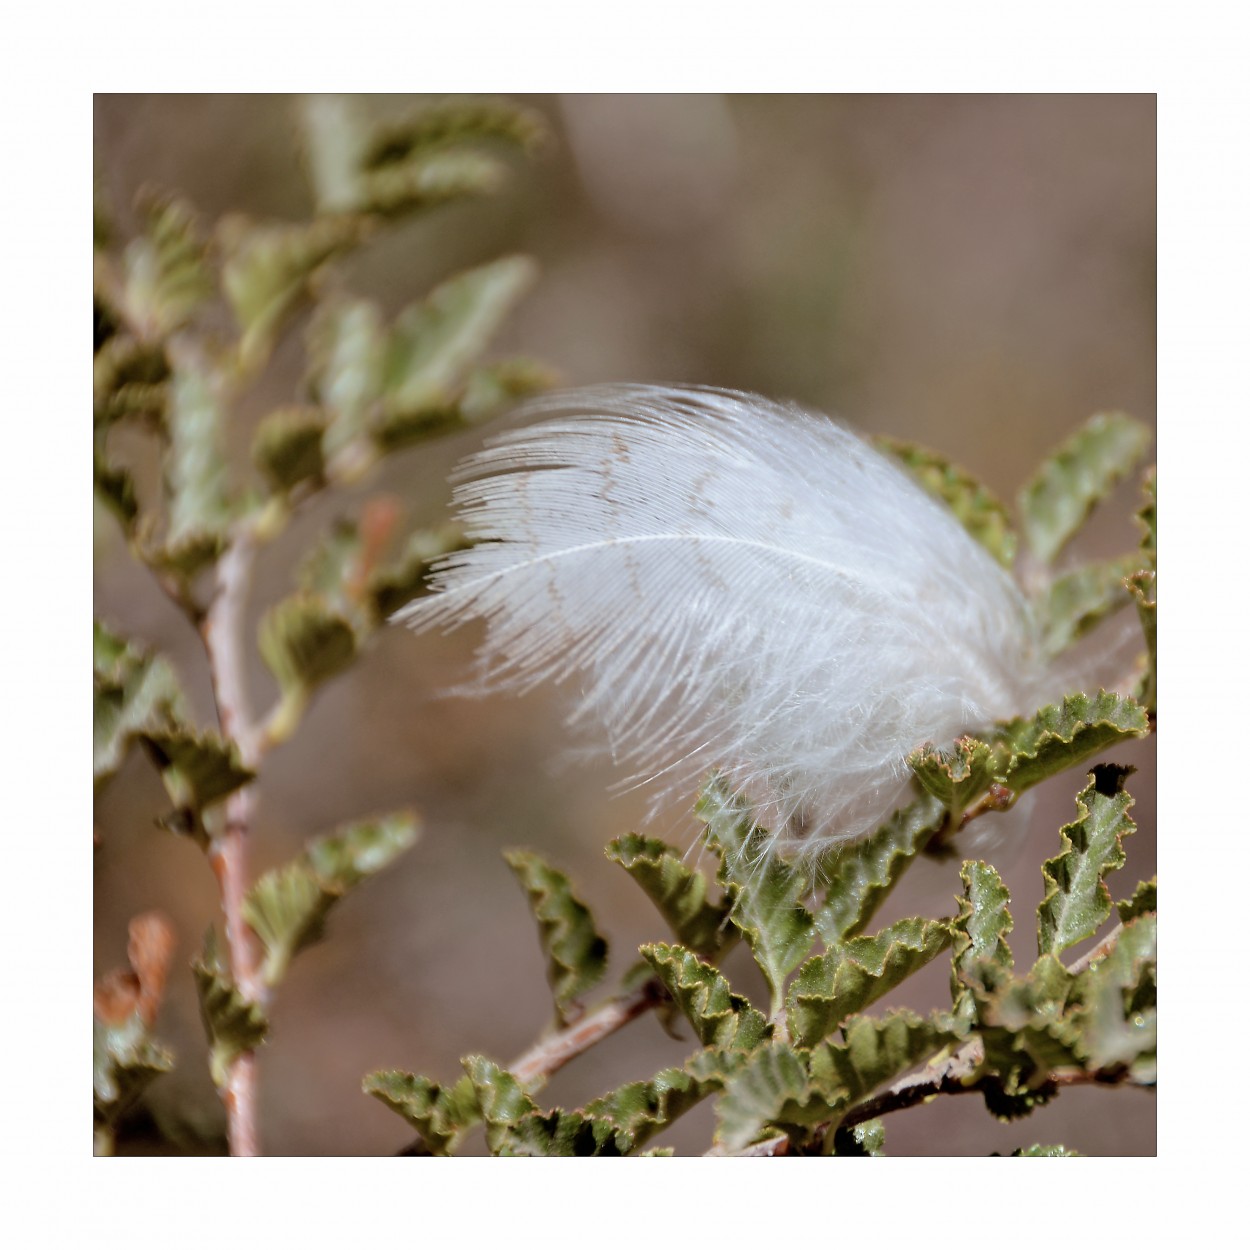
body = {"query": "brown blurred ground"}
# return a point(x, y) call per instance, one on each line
point(976, 273)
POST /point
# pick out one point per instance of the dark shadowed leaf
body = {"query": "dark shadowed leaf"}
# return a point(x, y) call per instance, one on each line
point(233, 1024)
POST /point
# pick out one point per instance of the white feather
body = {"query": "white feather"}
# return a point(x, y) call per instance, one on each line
point(737, 584)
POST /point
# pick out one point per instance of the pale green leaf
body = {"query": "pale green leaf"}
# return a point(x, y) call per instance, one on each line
point(719, 1017)
point(1054, 503)
point(958, 775)
point(1078, 601)
point(770, 1089)
point(980, 955)
point(165, 270)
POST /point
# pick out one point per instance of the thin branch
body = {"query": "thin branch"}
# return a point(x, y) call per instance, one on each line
point(551, 1054)
point(222, 631)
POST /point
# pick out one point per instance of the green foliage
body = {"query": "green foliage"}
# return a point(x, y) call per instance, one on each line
point(577, 954)
point(981, 958)
point(763, 891)
point(1077, 900)
point(287, 907)
point(439, 1114)
point(678, 891)
point(1078, 601)
point(1143, 901)
point(958, 776)
point(1055, 502)
point(862, 874)
point(848, 978)
point(125, 1061)
point(983, 515)
point(1046, 1152)
point(720, 1018)
point(234, 1023)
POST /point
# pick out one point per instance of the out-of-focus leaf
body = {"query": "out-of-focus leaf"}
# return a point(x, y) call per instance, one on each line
point(1147, 518)
point(196, 477)
point(862, 874)
point(398, 583)
point(428, 180)
point(1143, 589)
point(125, 1061)
point(980, 956)
point(1144, 900)
point(198, 768)
point(233, 1024)
point(642, 1109)
point(288, 450)
point(679, 892)
point(439, 1113)
point(134, 691)
point(115, 488)
point(454, 122)
point(287, 907)
point(1118, 993)
point(1077, 900)
point(763, 891)
point(347, 353)
point(166, 274)
point(492, 388)
point(958, 776)
point(874, 1050)
point(334, 147)
point(1078, 601)
point(434, 343)
point(129, 381)
point(862, 1141)
point(770, 1089)
point(1054, 503)
point(577, 954)
point(304, 642)
point(983, 515)
point(720, 1017)
point(1066, 733)
point(846, 979)
point(267, 271)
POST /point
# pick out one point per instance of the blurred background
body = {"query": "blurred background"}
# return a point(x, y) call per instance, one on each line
point(971, 272)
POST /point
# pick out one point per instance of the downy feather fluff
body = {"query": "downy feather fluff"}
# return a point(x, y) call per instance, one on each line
point(727, 582)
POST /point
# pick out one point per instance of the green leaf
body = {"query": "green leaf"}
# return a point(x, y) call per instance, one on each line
point(267, 270)
point(770, 1089)
point(166, 275)
point(720, 1017)
point(454, 122)
point(1078, 601)
point(198, 768)
point(125, 1061)
point(115, 488)
point(1046, 1152)
point(304, 642)
point(1147, 518)
point(1118, 1025)
point(958, 776)
point(679, 892)
point(560, 1134)
point(428, 180)
point(875, 1050)
point(862, 874)
point(1143, 589)
point(129, 382)
point(1064, 734)
point(1055, 502)
point(234, 1025)
point(863, 1141)
point(577, 954)
point(501, 1101)
point(980, 955)
point(135, 691)
point(763, 891)
point(491, 388)
point(287, 448)
point(983, 515)
point(1144, 900)
point(642, 1109)
point(846, 979)
point(347, 344)
point(334, 142)
point(287, 907)
point(196, 477)
point(439, 1113)
point(397, 584)
point(1077, 901)
point(434, 343)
